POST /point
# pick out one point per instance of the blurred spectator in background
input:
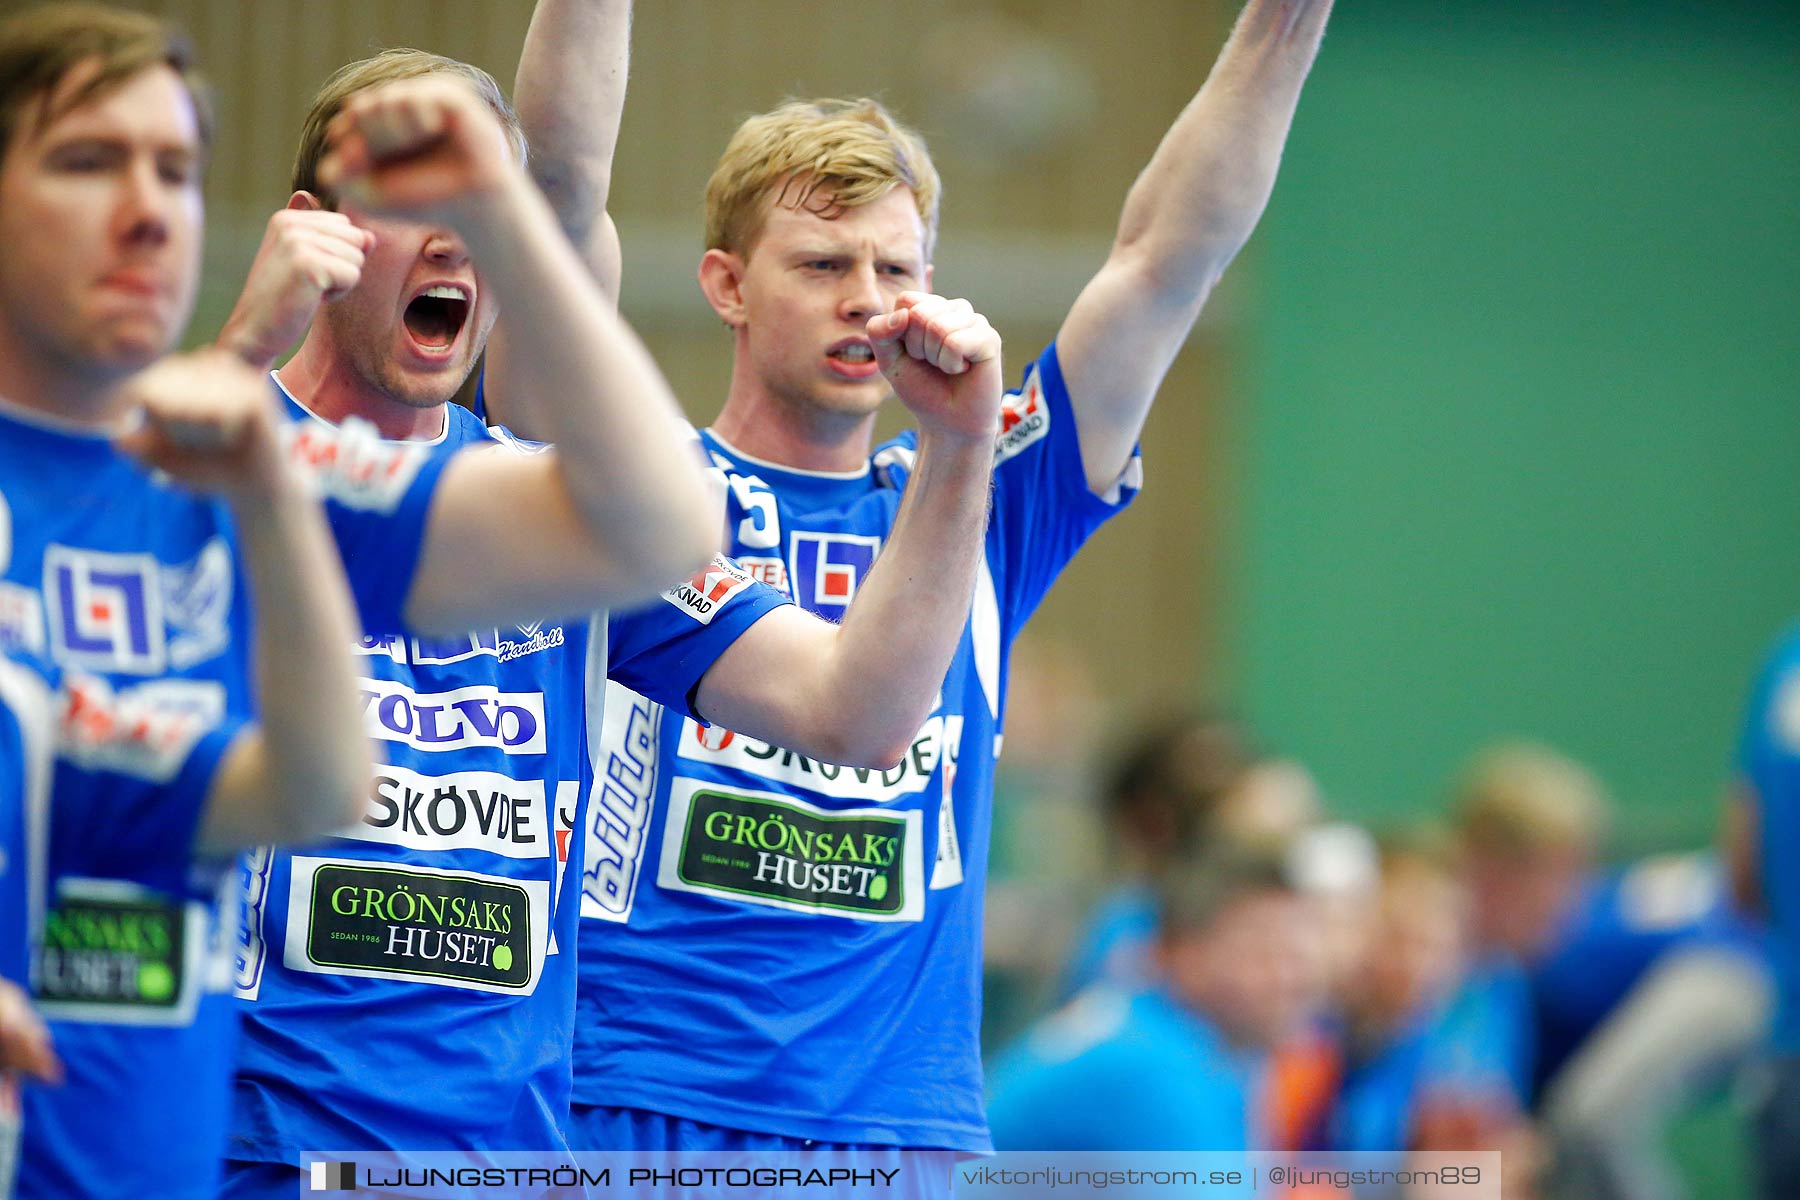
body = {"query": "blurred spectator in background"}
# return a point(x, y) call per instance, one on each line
point(1336, 866)
point(1763, 848)
point(1187, 784)
point(1654, 992)
point(1528, 823)
point(1172, 1064)
point(1608, 1001)
point(1391, 1005)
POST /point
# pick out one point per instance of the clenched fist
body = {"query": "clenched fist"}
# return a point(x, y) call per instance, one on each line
point(308, 257)
point(208, 421)
point(943, 360)
point(422, 149)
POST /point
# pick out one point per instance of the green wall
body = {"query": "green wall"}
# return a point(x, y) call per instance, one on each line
point(1523, 418)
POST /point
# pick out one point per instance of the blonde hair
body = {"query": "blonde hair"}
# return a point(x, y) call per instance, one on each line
point(817, 156)
point(1522, 798)
point(389, 66)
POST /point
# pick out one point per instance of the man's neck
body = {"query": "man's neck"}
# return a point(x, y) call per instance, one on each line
point(329, 387)
point(59, 389)
point(803, 438)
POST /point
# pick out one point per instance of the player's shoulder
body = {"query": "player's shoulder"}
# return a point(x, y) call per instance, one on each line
point(892, 462)
point(465, 428)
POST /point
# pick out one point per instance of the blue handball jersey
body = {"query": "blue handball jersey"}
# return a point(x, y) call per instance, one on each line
point(409, 984)
point(1769, 762)
point(785, 946)
point(1120, 1070)
point(1625, 922)
point(134, 591)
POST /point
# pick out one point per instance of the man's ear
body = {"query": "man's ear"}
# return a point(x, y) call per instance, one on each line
point(306, 202)
point(721, 278)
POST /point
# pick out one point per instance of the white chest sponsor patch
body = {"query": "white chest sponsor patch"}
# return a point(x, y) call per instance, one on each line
point(454, 720)
point(145, 731)
point(469, 810)
point(723, 748)
point(457, 929)
point(754, 847)
point(352, 464)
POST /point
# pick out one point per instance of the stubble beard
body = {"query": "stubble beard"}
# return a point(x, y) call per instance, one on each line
point(377, 368)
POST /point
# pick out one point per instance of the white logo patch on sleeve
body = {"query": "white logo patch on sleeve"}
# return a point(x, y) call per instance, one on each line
point(709, 590)
point(1024, 419)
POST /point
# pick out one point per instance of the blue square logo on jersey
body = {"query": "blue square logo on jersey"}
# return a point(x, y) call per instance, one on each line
point(828, 568)
point(105, 610)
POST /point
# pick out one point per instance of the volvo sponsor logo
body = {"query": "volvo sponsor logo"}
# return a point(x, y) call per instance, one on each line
point(454, 720)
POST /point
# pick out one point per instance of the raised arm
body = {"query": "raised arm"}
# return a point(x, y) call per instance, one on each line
point(1185, 218)
point(621, 508)
point(570, 95)
point(856, 693)
point(304, 770)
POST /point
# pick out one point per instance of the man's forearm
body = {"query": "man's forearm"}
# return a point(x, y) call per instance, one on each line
point(908, 616)
point(593, 389)
point(1200, 197)
point(313, 758)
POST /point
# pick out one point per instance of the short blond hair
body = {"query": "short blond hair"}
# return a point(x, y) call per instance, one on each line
point(1524, 798)
point(390, 66)
point(818, 156)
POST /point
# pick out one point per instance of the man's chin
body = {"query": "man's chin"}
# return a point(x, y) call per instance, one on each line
point(130, 340)
point(862, 400)
point(426, 389)
point(120, 354)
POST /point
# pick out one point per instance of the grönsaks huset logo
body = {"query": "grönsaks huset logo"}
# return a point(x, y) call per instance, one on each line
point(333, 1177)
point(765, 848)
point(414, 923)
